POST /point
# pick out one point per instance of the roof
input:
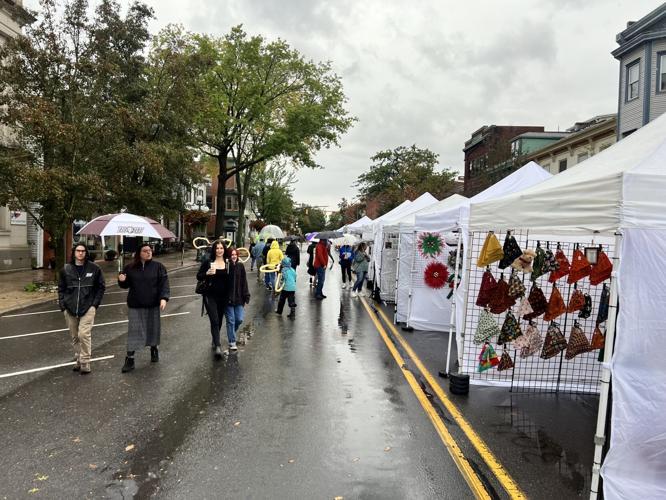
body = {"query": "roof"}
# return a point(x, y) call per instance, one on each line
point(637, 32)
point(541, 135)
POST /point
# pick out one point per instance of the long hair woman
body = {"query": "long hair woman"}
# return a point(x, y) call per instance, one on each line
point(214, 271)
point(239, 295)
point(148, 286)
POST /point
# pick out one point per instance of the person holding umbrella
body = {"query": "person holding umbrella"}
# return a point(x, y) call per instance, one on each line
point(214, 271)
point(321, 254)
point(148, 285)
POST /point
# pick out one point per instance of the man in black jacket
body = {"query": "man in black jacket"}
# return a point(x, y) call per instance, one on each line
point(80, 291)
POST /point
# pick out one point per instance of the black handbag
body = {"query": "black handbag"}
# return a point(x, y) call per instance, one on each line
point(202, 286)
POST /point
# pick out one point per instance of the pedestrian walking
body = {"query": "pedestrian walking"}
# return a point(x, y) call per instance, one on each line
point(288, 293)
point(360, 267)
point(239, 295)
point(264, 256)
point(273, 258)
point(310, 265)
point(253, 258)
point(322, 253)
point(148, 285)
point(257, 253)
point(216, 295)
point(294, 254)
point(80, 291)
point(346, 256)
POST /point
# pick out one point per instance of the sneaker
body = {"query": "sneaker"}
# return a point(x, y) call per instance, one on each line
point(344, 286)
point(232, 346)
point(218, 352)
point(85, 368)
point(354, 293)
point(76, 367)
point(129, 365)
point(154, 354)
point(278, 312)
point(323, 296)
point(292, 314)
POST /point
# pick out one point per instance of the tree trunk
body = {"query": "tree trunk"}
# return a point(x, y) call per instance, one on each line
point(221, 205)
point(242, 202)
point(240, 233)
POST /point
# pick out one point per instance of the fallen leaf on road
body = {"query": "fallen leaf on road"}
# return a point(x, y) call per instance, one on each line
point(291, 460)
point(33, 490)
point(388, 448)
point(76, 440)
point(41, 478)
point(236, 424)
point(338, 498)
point(355, 459)
point(129, 447)
point(92, 466)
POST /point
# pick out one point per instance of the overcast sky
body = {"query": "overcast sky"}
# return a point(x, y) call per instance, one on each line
point(431, 72)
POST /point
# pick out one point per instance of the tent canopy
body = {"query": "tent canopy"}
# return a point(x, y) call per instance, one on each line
point(407, 222)
point(359, 223)
point(622, 186)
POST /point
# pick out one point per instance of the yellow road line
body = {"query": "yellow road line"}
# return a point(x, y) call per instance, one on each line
point(452, 447)
point(493, 463)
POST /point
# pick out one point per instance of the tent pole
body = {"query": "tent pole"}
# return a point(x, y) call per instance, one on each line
point(411, 272)
point(452, 316)
point(395, 285)
point(600, 434)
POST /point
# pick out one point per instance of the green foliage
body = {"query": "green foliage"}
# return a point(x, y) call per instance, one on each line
point(270, 192)
point(404, 173)
point(311, 219)
point(31, 287)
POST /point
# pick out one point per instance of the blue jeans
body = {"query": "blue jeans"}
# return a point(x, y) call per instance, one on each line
point(360, 278)
point(270, 279)
point(321, 276)
point(234, 315)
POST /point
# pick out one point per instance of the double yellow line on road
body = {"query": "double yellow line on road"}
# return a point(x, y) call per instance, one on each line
point(507, 482)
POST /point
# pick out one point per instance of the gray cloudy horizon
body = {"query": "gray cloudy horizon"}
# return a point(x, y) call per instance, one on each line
point(432, 72)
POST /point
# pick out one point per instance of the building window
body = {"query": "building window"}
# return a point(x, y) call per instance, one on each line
point(563, 165)
point(232, 203)
point(661, 72)
point(633, 74)
point(582, 157)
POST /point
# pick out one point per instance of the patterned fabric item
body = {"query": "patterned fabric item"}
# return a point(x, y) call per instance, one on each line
point(486, 328)
point(563, 268)
point(516, 287)
point(604, 301)
point(580, 267)
point(602, 270)
point(488, 285)
point(537, 302)
point(576, 301)
point(500, 300)
point(598, 339)
point(551, 263)
point(555, 342)
point(511, 251)
point(578, 343)
point(539, 263)
point(487, 358)
point(530, 342)
point(451, 261)
point(524, 261)
point(525, 308)
point(586, 311)
point(510, 329)
point(490, 252)
point(556, 305)
point(505, 362)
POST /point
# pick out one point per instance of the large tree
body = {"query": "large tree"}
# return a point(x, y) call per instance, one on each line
point(96, 125)
point(270, 192)
point(264, 101)
point(404, 173)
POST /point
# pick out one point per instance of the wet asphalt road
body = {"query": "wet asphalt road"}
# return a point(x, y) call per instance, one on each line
point(313, 407)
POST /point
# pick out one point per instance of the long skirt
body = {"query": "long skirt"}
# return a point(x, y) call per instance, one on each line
point(143, 328)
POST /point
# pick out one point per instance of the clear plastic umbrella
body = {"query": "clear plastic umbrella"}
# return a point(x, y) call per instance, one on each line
point(346, 239)
point(271, 231)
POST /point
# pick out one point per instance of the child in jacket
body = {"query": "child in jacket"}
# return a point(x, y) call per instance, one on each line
point(288, 292)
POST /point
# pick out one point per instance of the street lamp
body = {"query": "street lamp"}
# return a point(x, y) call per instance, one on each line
point(200, 205)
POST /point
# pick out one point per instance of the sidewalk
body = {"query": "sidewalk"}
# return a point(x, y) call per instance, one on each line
point(12, 284)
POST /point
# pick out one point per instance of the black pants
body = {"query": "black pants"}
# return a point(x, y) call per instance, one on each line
point(345, 265)
point(284, 295)
point(215, 308)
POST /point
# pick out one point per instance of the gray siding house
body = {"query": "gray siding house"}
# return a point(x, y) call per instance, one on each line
point(642, 80)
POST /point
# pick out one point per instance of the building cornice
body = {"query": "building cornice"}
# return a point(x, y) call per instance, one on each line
point(637, 42)
point(600, 129)
point(641, 24)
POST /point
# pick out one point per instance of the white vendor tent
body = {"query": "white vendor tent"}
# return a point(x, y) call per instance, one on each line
point(406, 259)
point(357, 226)
point(620, 191)
point(428, 306)
point(385, 247)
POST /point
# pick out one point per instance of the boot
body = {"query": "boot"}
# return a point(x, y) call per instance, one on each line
point(292, 314)
point(218, 352)
point(154, 354)
point(129, 365)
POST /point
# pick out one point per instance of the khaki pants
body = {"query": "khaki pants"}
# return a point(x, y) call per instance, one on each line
point(80, 330)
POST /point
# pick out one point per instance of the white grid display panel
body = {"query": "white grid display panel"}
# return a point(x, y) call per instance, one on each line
point(389, 266)
point(533, 374)
point(419, 262)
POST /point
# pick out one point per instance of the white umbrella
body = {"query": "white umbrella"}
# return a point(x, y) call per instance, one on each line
point(346, 239)
point(125, 224)
point(271, 231)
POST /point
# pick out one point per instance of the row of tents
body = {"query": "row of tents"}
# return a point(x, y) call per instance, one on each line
point(618, 195)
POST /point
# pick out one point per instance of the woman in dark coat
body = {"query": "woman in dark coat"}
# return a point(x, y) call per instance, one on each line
point(239, 295)
point(148, 286)
point(214, 271)
point(294, 253)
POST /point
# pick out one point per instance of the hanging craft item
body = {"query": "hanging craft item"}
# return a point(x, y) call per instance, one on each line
point(586, 310)
point(516, 287)
point(598, 339)
point(539, 262)
point(555, 342)
point(453, 281)
point(538, 303)
point(511, 251)
point(604, 301)
point(556, 305)
point(510, 329)
point(435, 275)
point(530, 342)
point(486, 327)
point(451, 260)
point(490, 252)
point(487, 358)
point(580, 267)
point(525, 308)
point(550, 262)
point(602, 270)
point(576, 301)
point(524, 261)
point(430, 245)
point(578, 342)
point(505, 362)
point(488, 285)
point(563, 268)
point(499, 299)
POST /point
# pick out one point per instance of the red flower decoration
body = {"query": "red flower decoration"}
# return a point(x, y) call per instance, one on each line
point(436, 274)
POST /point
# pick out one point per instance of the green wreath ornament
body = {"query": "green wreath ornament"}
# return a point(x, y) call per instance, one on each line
point(430, 245)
